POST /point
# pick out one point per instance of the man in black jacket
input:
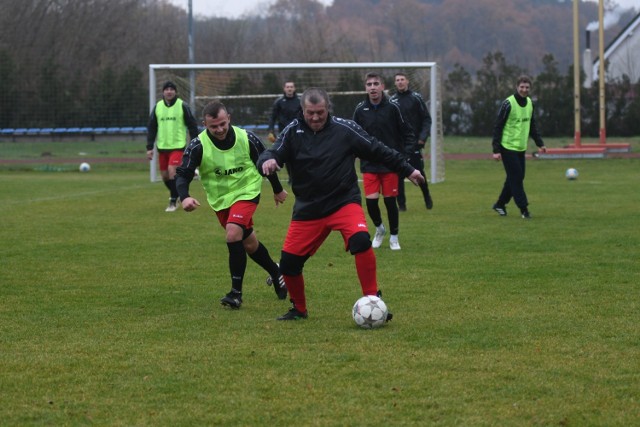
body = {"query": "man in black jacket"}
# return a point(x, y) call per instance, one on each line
point(284, 110)
point(383, 120)
point(321, 150)
point(415, 112)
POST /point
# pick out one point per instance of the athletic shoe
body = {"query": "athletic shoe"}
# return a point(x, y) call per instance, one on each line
point(389, 315)
point(172, 207)
point(293, 314)
point(526, 215)
point(232, 300)
point(379, 236)
point(281, 289)
point(394, 244)
point(502, 210)
point(428, 201)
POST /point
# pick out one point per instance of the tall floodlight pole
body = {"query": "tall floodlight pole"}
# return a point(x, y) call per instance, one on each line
point(576, 75)
point(192, 75)
point(603, 124)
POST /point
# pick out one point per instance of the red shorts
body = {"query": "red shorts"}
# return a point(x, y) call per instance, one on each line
point(169, 158)
point(373, 182)
point(305, 237)
point(240, 213)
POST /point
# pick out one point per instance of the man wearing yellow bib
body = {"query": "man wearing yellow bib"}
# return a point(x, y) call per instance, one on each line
point(167, 129)
point(514, 125)
point(226, 157)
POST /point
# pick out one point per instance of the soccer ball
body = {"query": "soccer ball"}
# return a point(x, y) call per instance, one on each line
point(370, 312)
point(571, 174)
point(84, 167)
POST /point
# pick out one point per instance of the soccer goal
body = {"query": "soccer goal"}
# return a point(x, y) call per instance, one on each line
point(249, 90)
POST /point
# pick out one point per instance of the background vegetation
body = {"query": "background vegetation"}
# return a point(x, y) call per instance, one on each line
point(109, 309)
point(85, 62)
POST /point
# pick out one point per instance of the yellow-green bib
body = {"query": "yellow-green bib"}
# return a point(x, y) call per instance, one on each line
point(228, 175)
point(172, 133)
point(516, 131)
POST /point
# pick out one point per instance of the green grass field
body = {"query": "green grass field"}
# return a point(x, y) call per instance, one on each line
point(109, 310)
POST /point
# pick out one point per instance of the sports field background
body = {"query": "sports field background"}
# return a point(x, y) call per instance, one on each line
point(109, 310)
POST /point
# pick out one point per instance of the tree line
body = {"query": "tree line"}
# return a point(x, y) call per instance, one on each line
point(70, 63)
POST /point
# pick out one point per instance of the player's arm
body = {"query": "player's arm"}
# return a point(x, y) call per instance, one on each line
point(501, 120)
point(425, 128)
point(275, 111)
point(191, 159)
point(190, 121)
point(535, 134)
point(152, 132)
point(370, 148)
point(256, 147)
point(406, 133)
point(272, 159)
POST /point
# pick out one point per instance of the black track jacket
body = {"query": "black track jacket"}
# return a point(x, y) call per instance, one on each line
point(385, 122)
point(322, 164)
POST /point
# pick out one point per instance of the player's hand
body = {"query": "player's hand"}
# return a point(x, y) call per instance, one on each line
point(421, 143)
point(270, 166)
point(149, 154)
point(497, 156)
point(271, 137)
point(542, 149)
point(280, 197)
point(416, 177)
point(190, 204)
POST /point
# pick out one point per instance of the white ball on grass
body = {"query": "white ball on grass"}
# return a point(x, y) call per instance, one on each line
point(370, 312)
point(571, 174)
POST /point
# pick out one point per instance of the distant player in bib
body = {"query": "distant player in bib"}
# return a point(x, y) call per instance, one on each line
point(167, 129)
point(226, 158)
point(514, 125)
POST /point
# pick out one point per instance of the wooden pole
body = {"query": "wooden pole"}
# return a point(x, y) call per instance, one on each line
point(603, 124)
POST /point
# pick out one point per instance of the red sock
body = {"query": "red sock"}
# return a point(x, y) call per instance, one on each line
point(366, 268)
point(295, 286)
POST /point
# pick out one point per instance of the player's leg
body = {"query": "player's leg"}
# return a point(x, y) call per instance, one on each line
point(302, 241)
point(402, 199)
point(175, 159)
point(417, 161)
point(504, 198)
point(390, 193)
point(372, 184)
point(348, 221)
point(260, 255)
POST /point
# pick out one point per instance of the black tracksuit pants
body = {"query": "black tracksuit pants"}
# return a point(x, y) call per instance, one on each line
point(514, 166)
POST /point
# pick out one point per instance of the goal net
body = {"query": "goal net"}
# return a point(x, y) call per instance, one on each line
point(249, 90)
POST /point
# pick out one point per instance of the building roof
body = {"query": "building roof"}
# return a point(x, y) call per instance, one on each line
point(623, 54)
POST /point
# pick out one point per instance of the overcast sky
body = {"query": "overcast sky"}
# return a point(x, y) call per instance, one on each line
point(237, 8)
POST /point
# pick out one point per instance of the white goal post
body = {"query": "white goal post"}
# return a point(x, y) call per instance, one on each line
point(249, 90)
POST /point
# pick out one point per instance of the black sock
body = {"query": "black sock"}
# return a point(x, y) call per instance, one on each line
point(237, 264)
point(173, 190)
point(263, 259)
point(374, 211)
point(392, 213)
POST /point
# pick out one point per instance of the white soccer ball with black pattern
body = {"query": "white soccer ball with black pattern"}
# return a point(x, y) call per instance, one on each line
point(370, 312)
point(571, 174)
point(84, 167)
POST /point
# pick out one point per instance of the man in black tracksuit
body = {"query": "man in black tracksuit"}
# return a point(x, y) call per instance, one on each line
point(284, 110)
point(416, 113)
point(383, 119)
point(321, 150)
